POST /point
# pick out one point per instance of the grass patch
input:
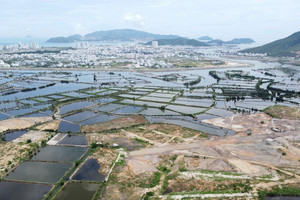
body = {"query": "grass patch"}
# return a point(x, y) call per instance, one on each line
point(279, 191)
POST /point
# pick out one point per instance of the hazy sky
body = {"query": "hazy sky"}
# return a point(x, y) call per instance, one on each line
point(262, 20)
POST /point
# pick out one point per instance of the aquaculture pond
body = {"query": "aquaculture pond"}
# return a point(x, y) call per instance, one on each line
point(81, 116)
point(74, 140)
point(68, 127)
point(60, 153)
point(156, 111)
point(22, 191)
point(282, 198)
point(108, 107)
point(77, 191)
point(3, 116)
point(10, 136)
point(74, 106)
point(89, 171)
point(98, 119)
point(40, 172)
point(128, 110)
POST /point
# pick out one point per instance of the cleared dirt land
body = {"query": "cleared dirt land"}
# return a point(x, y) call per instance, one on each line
point(173, 162)
point(21, 123)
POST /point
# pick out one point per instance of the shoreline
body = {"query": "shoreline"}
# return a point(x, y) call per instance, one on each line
point(247, 65)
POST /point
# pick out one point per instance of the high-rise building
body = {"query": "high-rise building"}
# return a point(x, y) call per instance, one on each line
point(154, 43)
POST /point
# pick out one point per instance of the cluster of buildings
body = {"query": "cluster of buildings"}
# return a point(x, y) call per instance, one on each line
point(85, 55)
point(100, 56)
point(19, 46)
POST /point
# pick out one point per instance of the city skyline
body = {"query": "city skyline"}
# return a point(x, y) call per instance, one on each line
point(261, 20)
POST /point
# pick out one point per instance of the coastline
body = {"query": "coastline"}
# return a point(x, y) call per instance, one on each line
point(246, 65)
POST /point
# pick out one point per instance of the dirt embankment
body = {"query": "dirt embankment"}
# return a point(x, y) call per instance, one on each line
point(115, 124)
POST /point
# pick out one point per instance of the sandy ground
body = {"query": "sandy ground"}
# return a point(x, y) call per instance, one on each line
point(34, 136)
point(141, 164)
point(105, 158)
point(53, 125)
point(11, 152)
point(259, 123)
point(21, 123)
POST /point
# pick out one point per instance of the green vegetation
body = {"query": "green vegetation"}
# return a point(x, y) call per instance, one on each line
point(283, 47)
point(264, 94)
point(283, 112)
point(194, 82)
point(214, 75)
point(153, 182)
point(279, 191)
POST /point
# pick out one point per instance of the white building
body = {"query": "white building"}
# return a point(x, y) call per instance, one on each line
point(3, 64)
point(154, 43)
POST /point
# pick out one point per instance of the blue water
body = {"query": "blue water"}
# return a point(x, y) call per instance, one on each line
point(89, 172)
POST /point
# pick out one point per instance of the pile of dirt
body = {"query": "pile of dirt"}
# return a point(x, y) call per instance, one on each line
point(192, 163)
point(142, 164)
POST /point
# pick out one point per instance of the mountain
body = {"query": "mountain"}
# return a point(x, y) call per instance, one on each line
point(70, 39)
point(205, 38)
point(179, 41)
point(241, 41)
point(216, 42)
point(114, 35)
point(288, 46)
point(233, 41)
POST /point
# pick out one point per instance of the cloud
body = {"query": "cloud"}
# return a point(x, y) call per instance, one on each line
point(136, 20)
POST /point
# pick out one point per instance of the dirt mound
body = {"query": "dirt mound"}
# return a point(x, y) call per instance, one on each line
point(284, 112)
point(138, 165)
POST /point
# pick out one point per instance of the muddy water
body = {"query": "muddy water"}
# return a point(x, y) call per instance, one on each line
point(24, 191)
point(60, 154)
point(39, 172)
point(13, 135)
point(77, 191)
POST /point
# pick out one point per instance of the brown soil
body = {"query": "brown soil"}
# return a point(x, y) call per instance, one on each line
point(53, 125)
point(259, 123)
point(142, 164)
point(115, 124)
point(34, 136)
point(284, 112)
point(11, 152)
point(21, 123)
point(192, 163)
point(117, 137)
point(188, 185)
point(105, 158)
